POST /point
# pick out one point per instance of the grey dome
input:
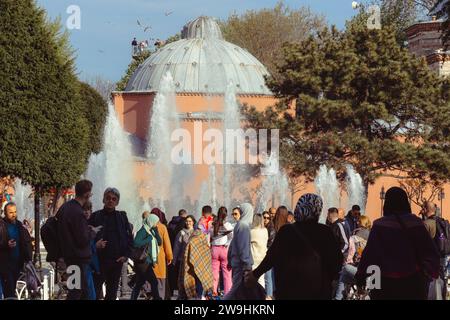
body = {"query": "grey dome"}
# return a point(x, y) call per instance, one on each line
point(201, 62)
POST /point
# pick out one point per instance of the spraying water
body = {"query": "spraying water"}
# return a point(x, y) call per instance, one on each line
point(232, 120)
point(163, 121)
point(355, 188)
point(114, 167)
point(274, 185)
point(24, 200)
point(327, 186)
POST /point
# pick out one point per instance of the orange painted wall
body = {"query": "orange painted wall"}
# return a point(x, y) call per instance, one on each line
point(134, 110)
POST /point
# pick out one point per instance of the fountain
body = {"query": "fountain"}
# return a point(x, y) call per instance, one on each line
point(166, 181)
point(274, 185)
point(355, 189)
point(24, 200)
point(327, 186)
point(231, 121)
point(114, 167)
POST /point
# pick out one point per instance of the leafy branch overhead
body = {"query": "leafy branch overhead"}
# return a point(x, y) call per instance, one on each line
point(360, 99)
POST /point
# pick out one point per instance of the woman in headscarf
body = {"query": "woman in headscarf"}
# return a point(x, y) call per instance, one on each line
point(165, 255)
point(180, 243)
point(161, 215)
point(305, 255)
point(401, 247)
point(239, 252)
point(196, 278)
point(148, 238)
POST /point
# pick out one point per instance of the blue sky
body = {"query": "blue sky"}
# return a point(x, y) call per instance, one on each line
point(108, 26)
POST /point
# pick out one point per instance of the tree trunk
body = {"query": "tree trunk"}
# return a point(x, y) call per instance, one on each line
point(37, 239)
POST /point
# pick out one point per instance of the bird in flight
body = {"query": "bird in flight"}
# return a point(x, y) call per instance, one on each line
point(168, 13)
point(142, 26)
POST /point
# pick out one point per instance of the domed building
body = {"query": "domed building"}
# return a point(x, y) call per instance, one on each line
point(202, 65)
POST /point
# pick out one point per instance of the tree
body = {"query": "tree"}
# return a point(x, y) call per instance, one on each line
point(363, 100)
point(134, 64)
point(44, 135)
point(263, 32)
point(419, 190)
point(95, 110)
point(138, 60)
point(442, 10)
point(400, 14)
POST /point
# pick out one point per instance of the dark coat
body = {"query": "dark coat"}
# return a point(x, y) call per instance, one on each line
point(73, 233)
point(25, 248)
point(296, 277)
point(125, 234)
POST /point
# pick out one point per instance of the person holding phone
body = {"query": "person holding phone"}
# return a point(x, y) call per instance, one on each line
point(15, 249)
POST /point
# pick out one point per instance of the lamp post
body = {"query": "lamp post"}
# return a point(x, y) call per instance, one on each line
point(441, 197)
point(382, 197)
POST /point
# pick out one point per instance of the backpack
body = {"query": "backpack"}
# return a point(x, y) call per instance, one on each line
point(442, 238)
point(49, 236)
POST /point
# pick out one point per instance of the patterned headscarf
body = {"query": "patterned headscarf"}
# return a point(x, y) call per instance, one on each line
point(309, 207)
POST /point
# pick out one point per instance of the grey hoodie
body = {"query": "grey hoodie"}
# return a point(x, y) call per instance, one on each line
point(239, 252)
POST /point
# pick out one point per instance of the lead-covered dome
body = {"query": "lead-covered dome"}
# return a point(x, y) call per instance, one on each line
point(201, 62)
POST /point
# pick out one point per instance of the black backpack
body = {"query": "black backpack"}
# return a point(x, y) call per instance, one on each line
point(442, 238)
point(49, 236)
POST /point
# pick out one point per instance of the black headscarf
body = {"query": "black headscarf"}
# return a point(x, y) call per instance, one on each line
point(396, 202)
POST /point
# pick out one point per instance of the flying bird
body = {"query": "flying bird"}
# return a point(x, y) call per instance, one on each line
point(142, 26)
point(168, 13)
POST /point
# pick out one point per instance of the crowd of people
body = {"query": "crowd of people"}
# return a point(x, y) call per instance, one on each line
point(274, 254)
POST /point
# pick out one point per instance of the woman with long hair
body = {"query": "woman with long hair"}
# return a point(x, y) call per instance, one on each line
point(268, 276)
point(281, 218)
point(220, 237)
point(259, 239)
point(165, 255)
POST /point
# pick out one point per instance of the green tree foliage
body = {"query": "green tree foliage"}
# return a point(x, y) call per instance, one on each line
point(134, 64)
point(442, 10)
point(44, 136)
point(137, 60)
point(95, 110)
point(400, 14)
point(361, 99)
point(263, 32)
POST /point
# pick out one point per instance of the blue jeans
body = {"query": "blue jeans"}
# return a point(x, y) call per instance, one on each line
point(1, 290)
point(268, 280)
point(90, 284)
point(347, 276)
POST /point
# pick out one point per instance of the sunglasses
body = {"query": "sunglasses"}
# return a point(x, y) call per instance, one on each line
point(111, 198)
point(266, 218)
